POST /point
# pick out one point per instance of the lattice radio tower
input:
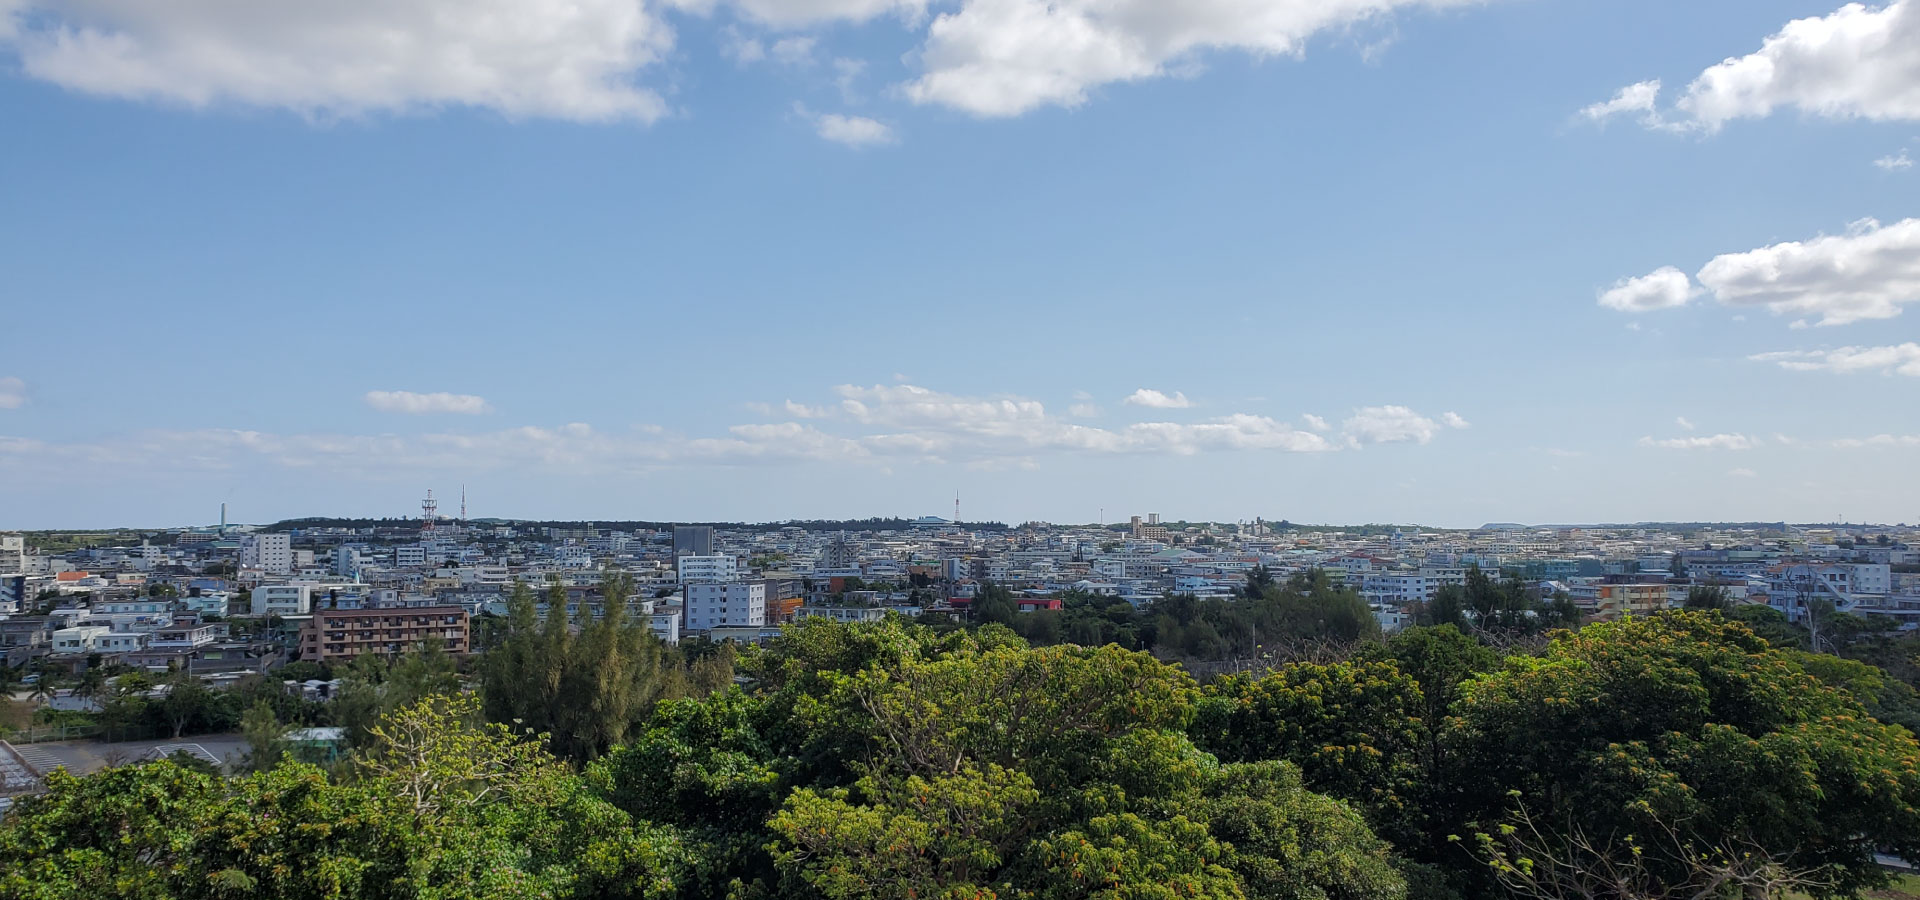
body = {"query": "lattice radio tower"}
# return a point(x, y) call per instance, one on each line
point(429, 508)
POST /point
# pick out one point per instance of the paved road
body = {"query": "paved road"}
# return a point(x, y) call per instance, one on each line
point(87, 757)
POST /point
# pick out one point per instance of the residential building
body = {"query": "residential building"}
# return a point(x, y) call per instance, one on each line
point(692, 540)
point(13, 554)
point(719, 567)
point(282, 599)
point(665, 626)
point(183, 635)
point(79, 638)
point(338, 635)
point(841, 613)
point(717, 605)
point(270, 553)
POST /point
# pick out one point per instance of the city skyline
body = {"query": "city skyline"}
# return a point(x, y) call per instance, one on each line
point(1383, 261)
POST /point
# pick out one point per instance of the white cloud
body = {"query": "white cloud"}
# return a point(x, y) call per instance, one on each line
point(1315, 422)
point(1709, 442)
point(1857, 62)
point(13, 393)
point(853, 131)
point(879, 426)
point(1394, 424)
point(803, 411)
point(423, 404)
point(1453, 420)
point(1683, 422)
point(1634, 98)
point(1879, 440)
point(1895, 163)
point(1742, 473)
point(792, 51)
point(1151, 398)
point(1663, 288)
point(566, 59)
point(1898, 359)
point(1007, 57)
point(796, 13)
point(1867, 273)
point(925, 421)
point(1083, 410)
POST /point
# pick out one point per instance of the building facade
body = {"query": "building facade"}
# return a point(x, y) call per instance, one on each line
point(339, 635)
point(723, 605)
point(270, 553)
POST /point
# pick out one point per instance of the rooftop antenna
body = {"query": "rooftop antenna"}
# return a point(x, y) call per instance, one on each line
point(427, 510)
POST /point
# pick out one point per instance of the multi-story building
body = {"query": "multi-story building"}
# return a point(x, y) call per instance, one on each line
point(692, 540)
point(282, 599)
point(79, 638)
point(719, 567)
point(410, 556)
point(270, 553)
point(13, 554)
point(717, 605)
point(344, 634)
point(183, 635)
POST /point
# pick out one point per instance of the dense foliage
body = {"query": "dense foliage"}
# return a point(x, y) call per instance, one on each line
point(900, 761)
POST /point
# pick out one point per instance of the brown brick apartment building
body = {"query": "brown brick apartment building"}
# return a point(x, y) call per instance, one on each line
point(342, 634)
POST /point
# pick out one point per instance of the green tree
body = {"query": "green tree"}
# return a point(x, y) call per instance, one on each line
point(266, 737)
point(1708, 596)
point(1683, 720)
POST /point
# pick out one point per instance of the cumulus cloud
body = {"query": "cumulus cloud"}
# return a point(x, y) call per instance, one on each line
point(425, 404)
point(13, 392)
point(1315, 422)
point(1151, 398)
point(1704, 442)
point(566, 59)
point(1007, 57)
point(1395, 424)
point(1859, 62)
point(1898, 359)
point(1663, 288)
point(1683, 422)
point(1895, 163)
point(1867, 273)
point(853, 131)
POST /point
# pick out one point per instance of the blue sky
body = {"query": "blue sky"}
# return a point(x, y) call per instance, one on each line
point(1339, 261)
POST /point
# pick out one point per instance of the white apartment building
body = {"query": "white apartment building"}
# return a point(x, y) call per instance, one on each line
point(1395, 588)
point(270, 553)
point(841, 613)
point(121, 642)
point(665, 626)
point(717, 605)
point(79, 638)
point(282, 600)
point(411, 556)
point(13, 554)
point(719, 567)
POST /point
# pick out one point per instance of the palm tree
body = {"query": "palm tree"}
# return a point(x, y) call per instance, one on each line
point(92, 684)
point(45, 689)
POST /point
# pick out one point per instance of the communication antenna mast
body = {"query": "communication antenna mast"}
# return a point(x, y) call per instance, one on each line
point(463, 506)
point(956, 509)
point(428, 509)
